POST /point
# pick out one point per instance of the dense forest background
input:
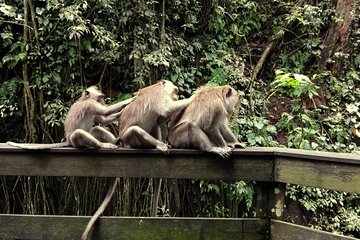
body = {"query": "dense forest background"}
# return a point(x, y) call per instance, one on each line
point(296, 64)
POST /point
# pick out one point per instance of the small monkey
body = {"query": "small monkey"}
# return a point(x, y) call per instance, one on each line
point(78, 125)
point(204, 123)
point(141, 119)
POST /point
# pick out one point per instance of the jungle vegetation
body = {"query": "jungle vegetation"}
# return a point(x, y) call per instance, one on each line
point(296, 63)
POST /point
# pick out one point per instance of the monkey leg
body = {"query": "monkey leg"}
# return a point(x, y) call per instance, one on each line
point(102, 135)
point(216, 138)
point(137, 137)
point(188, 135)
point(230, 138)
point(80, 138)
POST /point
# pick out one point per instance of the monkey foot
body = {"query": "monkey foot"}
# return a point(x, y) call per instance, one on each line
point(109, 146)
point(223, 152)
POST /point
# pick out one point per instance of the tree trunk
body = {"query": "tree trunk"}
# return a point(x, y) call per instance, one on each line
point(336, 39)
point(28, 98)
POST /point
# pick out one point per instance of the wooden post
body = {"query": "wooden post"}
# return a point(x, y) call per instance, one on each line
point(277, 203)
point(270, 197)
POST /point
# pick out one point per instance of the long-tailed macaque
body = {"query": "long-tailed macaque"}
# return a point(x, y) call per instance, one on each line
point(204, 123)
point(141, 119)
point(78, 125)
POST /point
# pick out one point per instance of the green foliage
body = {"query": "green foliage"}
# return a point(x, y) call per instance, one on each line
point(304, 25)
point(214, 203)
point(123, 45)
point(257, 131)
point(297, 85)
point(8, 106)
point(328, 210)
point(55, 113)
point(232, 21)
point(224, 67)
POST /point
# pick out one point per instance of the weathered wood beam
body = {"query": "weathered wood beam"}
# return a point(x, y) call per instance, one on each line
point(125, 228)
point(335, 171)
point(330, 175)
point(182, 164)
point(284, 231)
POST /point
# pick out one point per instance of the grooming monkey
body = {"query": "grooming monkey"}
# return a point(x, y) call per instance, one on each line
point(78, 125)
point(141, 119)
point(204, 123)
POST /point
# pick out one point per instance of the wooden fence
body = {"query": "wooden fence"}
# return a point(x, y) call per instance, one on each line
point(272, 168)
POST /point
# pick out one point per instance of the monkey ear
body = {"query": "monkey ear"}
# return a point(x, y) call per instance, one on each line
point(162, 82)
point(87, 93)
point(228, 93)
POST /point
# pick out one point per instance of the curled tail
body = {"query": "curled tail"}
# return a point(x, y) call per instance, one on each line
point(37, 146)
point(101, 209)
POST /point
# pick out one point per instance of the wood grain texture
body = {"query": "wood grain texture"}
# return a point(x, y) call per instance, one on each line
point(131, 228)
point(336, 171)
point(286, 231)
point(184, 164)
point(330, 175)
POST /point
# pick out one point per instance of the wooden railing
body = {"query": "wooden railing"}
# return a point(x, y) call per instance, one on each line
point(271, 168)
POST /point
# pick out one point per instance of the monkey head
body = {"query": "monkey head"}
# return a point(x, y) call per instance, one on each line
point(170, 89)
point(231, 98)
point(95, 94)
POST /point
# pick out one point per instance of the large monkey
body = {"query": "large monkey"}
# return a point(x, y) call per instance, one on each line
point(141, 119)
point(78, 125)
point(204, 123)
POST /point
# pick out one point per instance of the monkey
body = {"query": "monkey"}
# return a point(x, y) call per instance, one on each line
point(78, 125)
point(141, 119)
point(204, 123)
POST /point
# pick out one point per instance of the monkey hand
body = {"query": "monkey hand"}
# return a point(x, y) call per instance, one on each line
point(127, 101)
point(163, 147)
point(192, 97)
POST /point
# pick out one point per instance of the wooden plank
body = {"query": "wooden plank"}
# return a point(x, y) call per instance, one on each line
point(250, 151)
point(183, 164)
point(287, 231)
point(329, 175)
point(270, 200)
point(319, 169)
point(129, 228)
point(318, 155)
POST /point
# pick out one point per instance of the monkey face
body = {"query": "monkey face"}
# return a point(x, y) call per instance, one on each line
point(95, 94)
point(174, 94)
point(101, 99)
point(231, 99)
point(170, 89)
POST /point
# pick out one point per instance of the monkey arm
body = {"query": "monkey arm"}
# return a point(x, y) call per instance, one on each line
point(156, 132)
point(216, 138)
point(230, 137)
point(108, 119)
point(178, 105)
point(115, 107)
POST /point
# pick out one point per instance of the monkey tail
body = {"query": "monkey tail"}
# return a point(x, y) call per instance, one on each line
point(100, 210)
point(34, 146)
